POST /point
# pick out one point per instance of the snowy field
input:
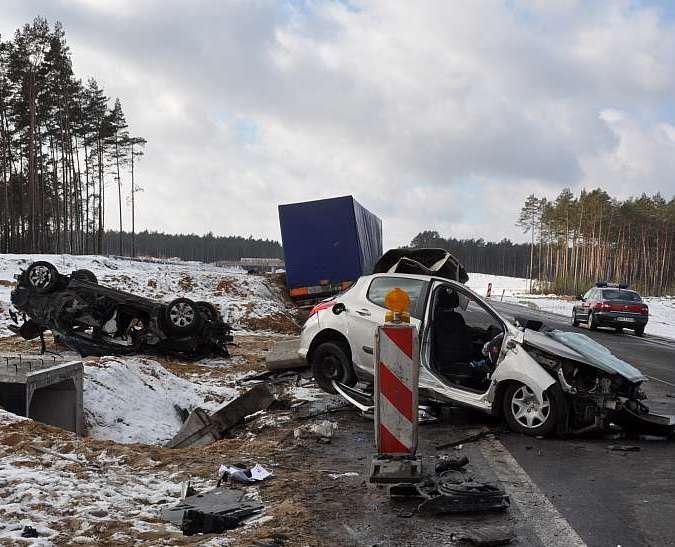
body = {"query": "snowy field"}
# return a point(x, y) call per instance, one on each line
point(515, 290)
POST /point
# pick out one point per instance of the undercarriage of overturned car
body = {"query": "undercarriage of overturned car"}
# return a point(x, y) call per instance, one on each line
point(96, 320)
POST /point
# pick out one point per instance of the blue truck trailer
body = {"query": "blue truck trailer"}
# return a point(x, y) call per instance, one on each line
point(328, 244)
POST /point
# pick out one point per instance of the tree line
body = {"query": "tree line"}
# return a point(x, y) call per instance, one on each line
point(578, 240)
point(206, 248)
point(477, 255)
point(62, 143)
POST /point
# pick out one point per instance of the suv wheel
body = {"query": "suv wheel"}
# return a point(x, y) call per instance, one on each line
point(182, 316)
point(42, 276)
point(330, 362)
point(84, 275)
point(575, 321)
point(639, 331)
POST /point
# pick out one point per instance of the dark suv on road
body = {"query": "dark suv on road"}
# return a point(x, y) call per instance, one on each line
point(614, 306)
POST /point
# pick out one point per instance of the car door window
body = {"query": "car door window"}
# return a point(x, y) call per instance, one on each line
point(380, 287)
point(589, 294)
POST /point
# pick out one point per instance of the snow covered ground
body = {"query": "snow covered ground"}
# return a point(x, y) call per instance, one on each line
point(241, 298)
point(516, 290)
point(136, 400)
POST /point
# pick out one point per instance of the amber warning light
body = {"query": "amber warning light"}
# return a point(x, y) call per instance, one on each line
point(397, 303)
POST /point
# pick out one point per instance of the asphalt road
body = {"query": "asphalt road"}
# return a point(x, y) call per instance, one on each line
point(610, 498)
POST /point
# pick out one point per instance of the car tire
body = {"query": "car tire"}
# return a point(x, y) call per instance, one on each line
point(640, 331)
point(523, 414)
point(575, 321)
point(182, 316)
point(330, 361)
point(208, 311)
point(84, 275)
point(42, 276)
point(592, 322)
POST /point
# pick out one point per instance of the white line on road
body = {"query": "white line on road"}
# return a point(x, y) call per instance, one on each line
point(550, 526)
point(659, 380)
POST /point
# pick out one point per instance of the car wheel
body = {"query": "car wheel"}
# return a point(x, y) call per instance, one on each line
point(640, 331)
point(84, 275)
point(182, 316)
point(524, 414)
point(330, 362)
point(208, 311)
point(575, 321)
point(592, 321)
point(42, 276)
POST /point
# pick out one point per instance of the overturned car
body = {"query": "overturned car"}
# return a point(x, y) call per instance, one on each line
point(540, 381)
point(97, 320)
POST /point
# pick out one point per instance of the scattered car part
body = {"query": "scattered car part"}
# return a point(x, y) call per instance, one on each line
point(245, 475)
point(202, 428)
point(452, 492)
point(215, 511)
point(623, 448)
point(97, 320)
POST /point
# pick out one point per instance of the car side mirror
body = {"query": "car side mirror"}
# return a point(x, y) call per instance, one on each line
point(580, 297)
point(339, 308)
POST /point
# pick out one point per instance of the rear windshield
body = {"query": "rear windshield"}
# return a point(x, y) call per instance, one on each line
point(617, 294)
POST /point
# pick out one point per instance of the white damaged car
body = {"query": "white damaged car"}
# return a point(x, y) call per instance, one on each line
point(540, 381)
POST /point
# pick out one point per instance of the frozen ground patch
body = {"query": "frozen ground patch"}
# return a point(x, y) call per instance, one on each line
point(135, 400)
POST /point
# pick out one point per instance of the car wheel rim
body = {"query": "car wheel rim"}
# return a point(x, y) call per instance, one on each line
point(40, 276)
point(182, 314)
point(527, 411)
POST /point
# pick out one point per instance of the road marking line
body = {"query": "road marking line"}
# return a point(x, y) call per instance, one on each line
point(659, 380)
point(549, 525)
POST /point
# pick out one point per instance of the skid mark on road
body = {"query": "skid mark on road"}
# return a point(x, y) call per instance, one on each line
point(549, 525)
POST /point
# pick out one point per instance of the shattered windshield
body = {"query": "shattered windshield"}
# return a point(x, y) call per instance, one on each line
point(596, 353)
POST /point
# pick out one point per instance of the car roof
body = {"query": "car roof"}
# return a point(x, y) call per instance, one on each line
point(421, 277)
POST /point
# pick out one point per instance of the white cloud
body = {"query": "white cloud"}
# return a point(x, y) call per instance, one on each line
point(439, 115)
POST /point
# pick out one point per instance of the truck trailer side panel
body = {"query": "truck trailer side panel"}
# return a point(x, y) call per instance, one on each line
point(328, 241)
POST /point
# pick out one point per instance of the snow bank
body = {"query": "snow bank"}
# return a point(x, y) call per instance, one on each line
point(56, 491)
point(134, 400)
point(241, 298)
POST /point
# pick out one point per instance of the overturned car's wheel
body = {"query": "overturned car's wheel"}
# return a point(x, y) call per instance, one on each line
point(182, 316)
point(524, 414)
point(84, 275)
point(331, 362)
point(42, 276)
point(208, 311)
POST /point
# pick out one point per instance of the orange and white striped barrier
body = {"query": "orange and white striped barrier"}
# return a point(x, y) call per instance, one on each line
point(396, 387)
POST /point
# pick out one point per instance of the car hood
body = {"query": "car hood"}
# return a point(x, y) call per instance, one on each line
point(579, 347)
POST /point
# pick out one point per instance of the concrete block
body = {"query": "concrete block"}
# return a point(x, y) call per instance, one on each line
point(45, 389)
point(284, 355)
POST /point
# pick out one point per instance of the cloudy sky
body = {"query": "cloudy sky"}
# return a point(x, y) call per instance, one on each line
point(434, 114)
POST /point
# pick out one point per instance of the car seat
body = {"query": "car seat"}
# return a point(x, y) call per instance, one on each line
point(452, 348)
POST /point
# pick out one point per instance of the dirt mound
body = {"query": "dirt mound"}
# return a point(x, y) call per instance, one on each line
point(276, 322)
